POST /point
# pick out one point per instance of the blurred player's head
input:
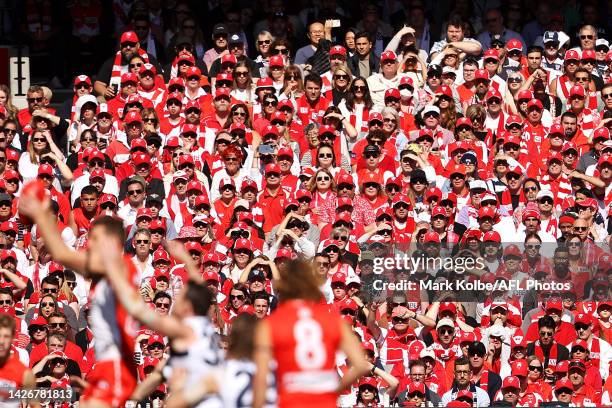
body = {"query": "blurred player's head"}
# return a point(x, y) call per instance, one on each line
point(194, 300)
point(7, 331)
point(298, 282)
point(241, 336)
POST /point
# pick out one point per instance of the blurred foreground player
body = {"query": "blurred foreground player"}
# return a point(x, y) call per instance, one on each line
point(194, 344)
point(302, 336)
point(113, 377)
point(13, 374)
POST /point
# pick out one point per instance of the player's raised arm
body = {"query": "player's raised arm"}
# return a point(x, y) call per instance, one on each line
point(39, 212)
point(116, 274)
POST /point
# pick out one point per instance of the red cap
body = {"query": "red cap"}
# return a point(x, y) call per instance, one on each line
point(583, 318)
point(211, 276)
point(554, 305)
point(519, 368)
point(224, 77)
point(588, 55)
point(107, 198)
point(491, 53)
point(138, 143)
point(264, 83)
point(455, 168)
point(345, 178)
point(524, 94)
point(272, 168)
point(580, 343)
point(481, 74)
point(433, 192)
point(511, 382)
point(7, 253)
point(487, 212)
point(444, 90)
point(186, 56)
point(285, 103)
point(564, 383)
point(45, 169)
point(493, 93)
point(375, 116)
point(349, 304)
point(464, 121)
point(141, 158)
point(128, 36)
point(229, 59)
point(447, 306)
point(556, 129)
point(369, 381)
point(407, 81)
point(388, 56)
point(338, 50)
point(189, 128)
point(144, 213)
point(513, 250)
point(589, 203)
point(161, 274)
point(131, 117)
point(465, 393)
point(432, 236)
point(82, 79)
point(531, 213)
point(392, 93)
point(269, 130)
point(536, 103)
point(577, 90)
point(514, 44)
point(514, 120)
point(325, 129)
point(160, 254)
point(416, 386)
point(146, 67)
point(9, 226)
point(601, 133)
point(437, 211)
point(194, 185)
point(222, 92)
point(97, 175)
point(276, 61)
point(247, 182)
point(193, 246)
point(491, 236)
point(129, 77)
point(156, 338)
point(571, 55)
point(567, 146)
point(338, 277)
point(177, 81)
point(185, 159)
point(243, 243)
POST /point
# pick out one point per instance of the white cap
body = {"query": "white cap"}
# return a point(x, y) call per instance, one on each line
point(563, 38)
point(477, 184)
point(431, 108)
point(545, 193)
point(427, 352)
point(353, 279)
point(449, 70)
point(445, 322)
point(497, 331)
point(242, 203)
point(602, 41)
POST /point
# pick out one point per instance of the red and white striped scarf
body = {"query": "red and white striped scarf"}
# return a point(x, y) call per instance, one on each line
point(119, 69)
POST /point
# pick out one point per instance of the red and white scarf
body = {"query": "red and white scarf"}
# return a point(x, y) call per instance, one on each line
point(119, 69)
point(552, 356)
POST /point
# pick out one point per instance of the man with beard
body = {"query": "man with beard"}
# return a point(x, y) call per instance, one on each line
point(546, 348)
point(462, 382)
point(108, 79)
point(364, 62)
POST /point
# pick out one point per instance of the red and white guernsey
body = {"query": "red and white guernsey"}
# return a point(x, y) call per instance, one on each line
point(113, 378)
point(305, 337)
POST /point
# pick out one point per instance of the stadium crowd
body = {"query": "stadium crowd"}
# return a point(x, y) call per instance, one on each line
point(220, 193)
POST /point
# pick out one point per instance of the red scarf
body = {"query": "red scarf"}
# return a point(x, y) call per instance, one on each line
point(552, 357)
point(117, 71)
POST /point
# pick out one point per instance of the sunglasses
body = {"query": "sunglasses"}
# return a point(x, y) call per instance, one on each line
point(359, 88)
point(325, 155)
point(47, 304)
point(444, 331)
point(57, 325)
point(35, 100)
point(49, 290)
point(239, 297)
point(136, 65)
point(142, 241)
point(586, 37)
point(162, 305)
point(135, 192)
point(270, 103)
point(283, 51)
point(323, 178)
point(7, 302)
point(371, 155)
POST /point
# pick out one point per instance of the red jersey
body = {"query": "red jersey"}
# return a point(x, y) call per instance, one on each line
point(305, 337)
point(11, 376)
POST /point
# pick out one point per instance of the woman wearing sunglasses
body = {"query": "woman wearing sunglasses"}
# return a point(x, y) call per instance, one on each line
point(243, 89)
point(340, 86)
point(322, 186)
point(293, 86)
point(357, 104)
